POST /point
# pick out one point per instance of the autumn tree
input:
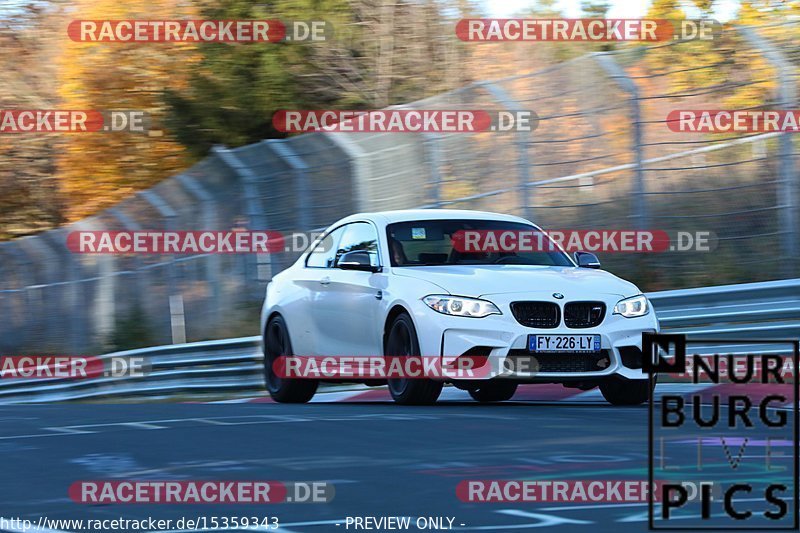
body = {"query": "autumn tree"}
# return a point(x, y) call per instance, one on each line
point(99, 169)
point(29, 191)
point(383, 52)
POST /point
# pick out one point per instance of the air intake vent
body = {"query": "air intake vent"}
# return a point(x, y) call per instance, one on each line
point(541, 315)
point(567, 363)
point(584, 314)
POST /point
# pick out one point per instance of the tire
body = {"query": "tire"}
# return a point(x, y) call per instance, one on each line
point(621, 391)
point(276, 344)
point(494, 391)
point(402, 340)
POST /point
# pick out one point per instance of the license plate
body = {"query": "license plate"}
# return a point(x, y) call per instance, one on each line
point(563, 343)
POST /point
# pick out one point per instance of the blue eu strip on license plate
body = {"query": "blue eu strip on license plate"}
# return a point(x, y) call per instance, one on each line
point(563, 343)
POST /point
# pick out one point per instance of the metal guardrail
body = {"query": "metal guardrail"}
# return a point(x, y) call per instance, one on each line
point(210, 366)
point(754, 311)
point(749, 311)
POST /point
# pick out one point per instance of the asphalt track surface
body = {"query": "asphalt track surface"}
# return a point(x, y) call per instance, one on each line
point(383, 459)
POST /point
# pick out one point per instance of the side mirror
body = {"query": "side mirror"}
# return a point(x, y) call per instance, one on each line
point(586, 260)
point(358, 260)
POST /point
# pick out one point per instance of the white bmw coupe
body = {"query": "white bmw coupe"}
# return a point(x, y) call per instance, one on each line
point(395, 283)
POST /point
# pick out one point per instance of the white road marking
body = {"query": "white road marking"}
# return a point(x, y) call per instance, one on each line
point(236, 420)
point(141, 425)
point(544, 520)
point(69, 430)
point(210, 421)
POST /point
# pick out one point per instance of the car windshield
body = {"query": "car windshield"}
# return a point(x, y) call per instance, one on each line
point(442, 242)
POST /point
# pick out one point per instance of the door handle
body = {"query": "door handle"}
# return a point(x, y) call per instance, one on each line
point(325, 281)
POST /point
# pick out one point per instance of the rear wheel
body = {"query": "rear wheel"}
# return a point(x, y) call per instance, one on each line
point(494, 391)
point(277, 344)
point(620, 391)
point(402, 341)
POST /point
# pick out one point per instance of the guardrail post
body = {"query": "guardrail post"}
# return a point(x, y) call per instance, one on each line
point(626, 83)
point(521, 142)
point(787, 170)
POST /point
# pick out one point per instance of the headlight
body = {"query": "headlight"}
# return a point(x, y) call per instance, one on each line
point(632, 307)
point(457, 306)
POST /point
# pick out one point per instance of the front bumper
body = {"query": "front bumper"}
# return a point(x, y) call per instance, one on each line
point(499, 336)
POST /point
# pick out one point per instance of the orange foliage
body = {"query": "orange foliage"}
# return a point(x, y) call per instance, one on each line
point(99, 169)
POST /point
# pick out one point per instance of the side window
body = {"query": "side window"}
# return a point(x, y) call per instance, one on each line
point(324, 253)
point(359, 237)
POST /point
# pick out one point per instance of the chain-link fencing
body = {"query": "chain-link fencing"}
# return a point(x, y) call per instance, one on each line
point(602, 157)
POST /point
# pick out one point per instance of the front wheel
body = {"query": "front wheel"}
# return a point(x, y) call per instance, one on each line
point(277, 344)
point(494, 391)
point(620, 391)
point(402, 341)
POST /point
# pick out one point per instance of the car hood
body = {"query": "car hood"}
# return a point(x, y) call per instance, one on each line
point(484, 280)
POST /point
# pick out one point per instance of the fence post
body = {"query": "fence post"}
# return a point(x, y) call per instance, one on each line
point(358, 164)
point(175, 291)
point(108, 279)
point(433, 156)
point(521, 143)
point(209, 222)
point(256, 216)
point(24, 328)
point(626, 83)
point(300, 178)
point(45, 284)
point(304, 199)
point(77, 335)
point(787, 171)
point(6, 325)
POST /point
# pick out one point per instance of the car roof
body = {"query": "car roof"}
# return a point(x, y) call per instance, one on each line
point(404, 215)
